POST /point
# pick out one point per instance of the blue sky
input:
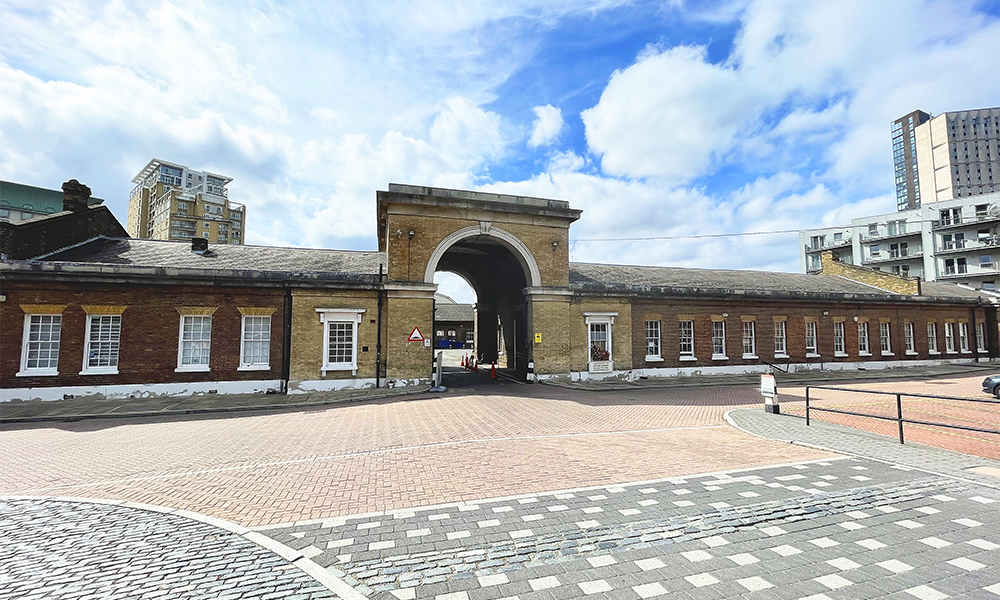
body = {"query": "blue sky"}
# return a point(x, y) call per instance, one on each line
point(656, 118)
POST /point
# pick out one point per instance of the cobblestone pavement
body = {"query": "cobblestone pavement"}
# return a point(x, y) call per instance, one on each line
point(829, 529)
point(59, 549)
point(275, 468)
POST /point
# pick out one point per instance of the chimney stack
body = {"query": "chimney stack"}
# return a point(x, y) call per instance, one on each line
point(199, 245)
point(75, 196)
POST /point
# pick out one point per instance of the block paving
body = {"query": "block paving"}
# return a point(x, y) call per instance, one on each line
point(292, 466)
point(451, 497)
point(842, 528)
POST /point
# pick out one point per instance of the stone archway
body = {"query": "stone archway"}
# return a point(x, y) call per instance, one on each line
point(485, 228)
point(500, 268)
point(514, 247)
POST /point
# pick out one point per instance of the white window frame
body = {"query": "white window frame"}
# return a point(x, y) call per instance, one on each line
point(981, 343)
point(340, 315)
point(885, 338)
point(780, 350)
point(189, 368)
point(470, 336)
point(910, 338)
point(932, 338)
point(685, 355)
point(752, 329)
point(949, 338)
point(963, 337)
point(37, 371)
point(249, 366)
point(864, 343)
point(597, 318)
point(839, 339)
point(722, 339)
point(812, 351)
point(108, 370)
point(657, 330)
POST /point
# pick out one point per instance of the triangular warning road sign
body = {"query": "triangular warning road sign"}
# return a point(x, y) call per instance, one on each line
point(415, 336)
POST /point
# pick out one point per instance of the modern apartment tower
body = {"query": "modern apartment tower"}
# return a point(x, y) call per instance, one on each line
point(172, 202)
point(904, 158)
point(953, 155)
point(956, 241)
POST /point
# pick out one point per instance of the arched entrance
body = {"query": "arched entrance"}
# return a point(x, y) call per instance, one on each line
point(513, 250)
point(499, 267)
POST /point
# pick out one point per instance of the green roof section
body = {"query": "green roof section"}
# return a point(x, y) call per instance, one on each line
point(17, 196)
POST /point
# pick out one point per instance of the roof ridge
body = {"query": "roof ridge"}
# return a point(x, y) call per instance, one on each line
point(270, 247)
point(70, 247)
point(874, 287)
point(571, 264)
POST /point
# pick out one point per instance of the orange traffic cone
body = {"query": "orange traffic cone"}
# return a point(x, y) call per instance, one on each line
point(493, 371)
point(463, 361)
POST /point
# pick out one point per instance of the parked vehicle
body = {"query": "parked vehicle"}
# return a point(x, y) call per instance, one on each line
point(991, 385)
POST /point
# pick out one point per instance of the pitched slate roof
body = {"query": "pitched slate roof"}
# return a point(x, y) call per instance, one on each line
point(714, 282)
point(453, 312)
point(330, 264)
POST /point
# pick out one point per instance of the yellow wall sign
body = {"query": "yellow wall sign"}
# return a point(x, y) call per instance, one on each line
point(538, 338)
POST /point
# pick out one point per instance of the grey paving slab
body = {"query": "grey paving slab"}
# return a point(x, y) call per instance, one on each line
point(772, 532)
point(70, 549)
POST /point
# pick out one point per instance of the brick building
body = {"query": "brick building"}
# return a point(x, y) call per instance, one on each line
point(126, 317)
point(123, 317)
point(454, 323)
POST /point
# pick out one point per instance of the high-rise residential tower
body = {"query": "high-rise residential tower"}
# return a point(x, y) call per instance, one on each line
point(172, 202)
point(958, 154)
point(904, 158)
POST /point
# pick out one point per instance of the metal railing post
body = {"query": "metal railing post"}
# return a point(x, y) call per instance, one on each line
point(807, 406)
point(899, 415)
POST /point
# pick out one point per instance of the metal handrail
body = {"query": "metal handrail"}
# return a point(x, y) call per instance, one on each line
point(899, 408)
point(776, 365)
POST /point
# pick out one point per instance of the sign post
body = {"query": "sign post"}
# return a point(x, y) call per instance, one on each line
point(769, 389)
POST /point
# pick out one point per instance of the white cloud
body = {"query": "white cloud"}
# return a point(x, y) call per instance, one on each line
point(311, 123)
point(548, 124)
point(454, 286)
point(566, 161)
point(669, 114)
point(845, 69)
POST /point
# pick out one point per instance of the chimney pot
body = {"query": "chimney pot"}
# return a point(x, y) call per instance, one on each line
point(199, 245)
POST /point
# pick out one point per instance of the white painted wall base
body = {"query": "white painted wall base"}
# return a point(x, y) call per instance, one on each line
point(139, 390)
point(632, 375)
point(331, 385)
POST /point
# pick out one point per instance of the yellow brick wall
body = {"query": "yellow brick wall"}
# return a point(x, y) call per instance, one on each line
point(408, 258)
point(408, 360)
point(621, 332)
point(552, 321)
point(879, 279)
point(306, 360)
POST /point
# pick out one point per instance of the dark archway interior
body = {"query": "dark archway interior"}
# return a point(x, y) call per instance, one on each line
point(498, 278)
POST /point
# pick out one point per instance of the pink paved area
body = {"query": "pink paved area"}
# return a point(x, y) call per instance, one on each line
point(972, 414)
point(279, 467)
